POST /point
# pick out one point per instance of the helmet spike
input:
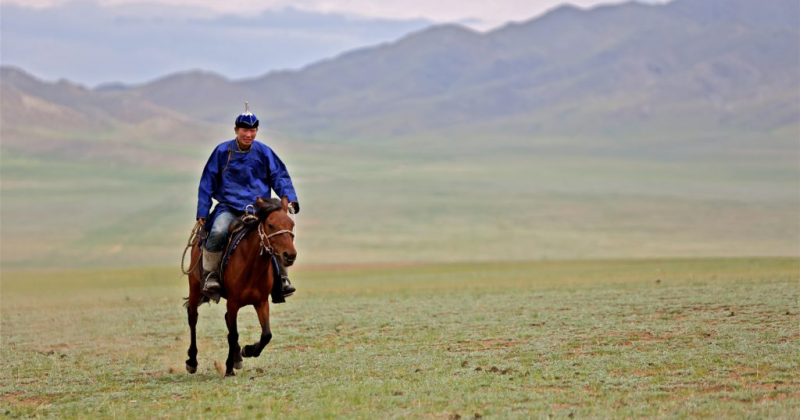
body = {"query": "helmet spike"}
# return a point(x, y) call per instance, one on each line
point(247, 119)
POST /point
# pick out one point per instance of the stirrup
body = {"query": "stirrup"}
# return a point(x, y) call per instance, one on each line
point(211, 294)
point(286, 282)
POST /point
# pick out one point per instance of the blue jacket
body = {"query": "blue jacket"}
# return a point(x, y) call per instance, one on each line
point(236, 179)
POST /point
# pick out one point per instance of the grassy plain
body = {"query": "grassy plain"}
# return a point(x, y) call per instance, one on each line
point(431, 201)
point(680, 338)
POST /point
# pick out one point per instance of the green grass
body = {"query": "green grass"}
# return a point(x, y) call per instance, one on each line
point(381, 203)
point(685, 338)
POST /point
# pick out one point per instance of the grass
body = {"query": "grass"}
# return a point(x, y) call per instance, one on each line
point(680, 338)
point(395, 205)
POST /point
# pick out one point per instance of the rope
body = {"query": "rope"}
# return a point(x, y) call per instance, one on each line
point(197, 232)
point(293, 216)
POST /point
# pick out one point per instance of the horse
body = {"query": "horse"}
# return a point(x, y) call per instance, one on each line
point(248, 280)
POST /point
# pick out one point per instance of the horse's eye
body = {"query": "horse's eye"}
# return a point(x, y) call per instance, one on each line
point(270, 226)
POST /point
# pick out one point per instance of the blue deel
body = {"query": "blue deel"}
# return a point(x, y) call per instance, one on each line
point(239, 182)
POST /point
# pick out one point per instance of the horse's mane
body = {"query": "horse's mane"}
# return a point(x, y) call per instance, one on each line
point(265, 206)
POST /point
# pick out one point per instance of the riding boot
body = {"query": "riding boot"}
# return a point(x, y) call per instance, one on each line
point(212, 287)
point(288, 289)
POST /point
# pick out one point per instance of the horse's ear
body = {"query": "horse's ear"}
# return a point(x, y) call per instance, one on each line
point(261, 208)
point(285, 203)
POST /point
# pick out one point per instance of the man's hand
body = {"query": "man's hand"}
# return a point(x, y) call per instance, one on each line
point(202, 221)
point(296, 206)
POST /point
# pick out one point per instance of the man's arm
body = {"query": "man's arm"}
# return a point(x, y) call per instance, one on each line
point(280, 181)
point(208, 184)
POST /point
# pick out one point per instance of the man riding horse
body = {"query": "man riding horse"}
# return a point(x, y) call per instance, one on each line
point(238, 172)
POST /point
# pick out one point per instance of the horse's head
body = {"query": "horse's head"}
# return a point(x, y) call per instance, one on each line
point(273, 214)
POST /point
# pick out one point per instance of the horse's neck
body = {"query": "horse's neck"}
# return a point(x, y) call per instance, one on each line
point(254, 264)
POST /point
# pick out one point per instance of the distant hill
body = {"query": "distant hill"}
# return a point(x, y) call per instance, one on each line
point(690, 66)
point(706, 63)
point(67, 120)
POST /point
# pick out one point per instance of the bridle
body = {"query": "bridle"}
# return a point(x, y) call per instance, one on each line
point(250, 213)
point(265, 244)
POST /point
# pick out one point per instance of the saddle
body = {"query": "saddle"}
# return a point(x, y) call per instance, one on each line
point(240, 227)
point(245, 221)
point(238, 230)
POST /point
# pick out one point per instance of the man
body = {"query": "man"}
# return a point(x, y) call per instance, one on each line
point(238, 172)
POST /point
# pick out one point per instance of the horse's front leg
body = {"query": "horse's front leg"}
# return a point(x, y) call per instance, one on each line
point(233, 338)
point(254, 350)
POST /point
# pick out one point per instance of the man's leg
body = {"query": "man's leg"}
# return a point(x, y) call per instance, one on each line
point(212, 255)
point(288, 289)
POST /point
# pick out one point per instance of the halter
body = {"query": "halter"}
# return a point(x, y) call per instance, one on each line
point(250, 213)
point(265, 245)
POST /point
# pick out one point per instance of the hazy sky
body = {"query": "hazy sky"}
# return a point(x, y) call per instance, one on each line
point(482, 14)
point(132, 41)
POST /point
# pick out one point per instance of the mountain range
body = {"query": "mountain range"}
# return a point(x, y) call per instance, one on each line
point(690, 68)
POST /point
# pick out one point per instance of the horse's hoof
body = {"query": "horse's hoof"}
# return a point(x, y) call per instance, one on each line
point(229, 374)
point(191, 369)
point(238, 365)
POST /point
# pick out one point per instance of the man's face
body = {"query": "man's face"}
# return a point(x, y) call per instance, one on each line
point(245, 136)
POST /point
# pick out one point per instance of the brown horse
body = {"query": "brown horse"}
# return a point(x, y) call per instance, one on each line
point(248, 280)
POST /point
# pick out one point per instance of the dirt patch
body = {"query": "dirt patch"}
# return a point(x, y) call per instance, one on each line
point(500, 342)
point(20, 398)
point(766, 386)
point(348, 267)
point(771, 396)
point(547, 388)
point(781, 396)
point(742, 371)
point(446, 415)
point(770, 389)
point(646, 336)
point(488, 344)
point(153, 374)
point(718, 388)
point(299, 347)
point(642, 373)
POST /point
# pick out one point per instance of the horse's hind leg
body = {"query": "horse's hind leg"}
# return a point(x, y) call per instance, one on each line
point(191, 310)
point(254, 350)
point(233, 338)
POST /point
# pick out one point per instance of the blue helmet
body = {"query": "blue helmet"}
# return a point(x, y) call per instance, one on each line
point(247, 119)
